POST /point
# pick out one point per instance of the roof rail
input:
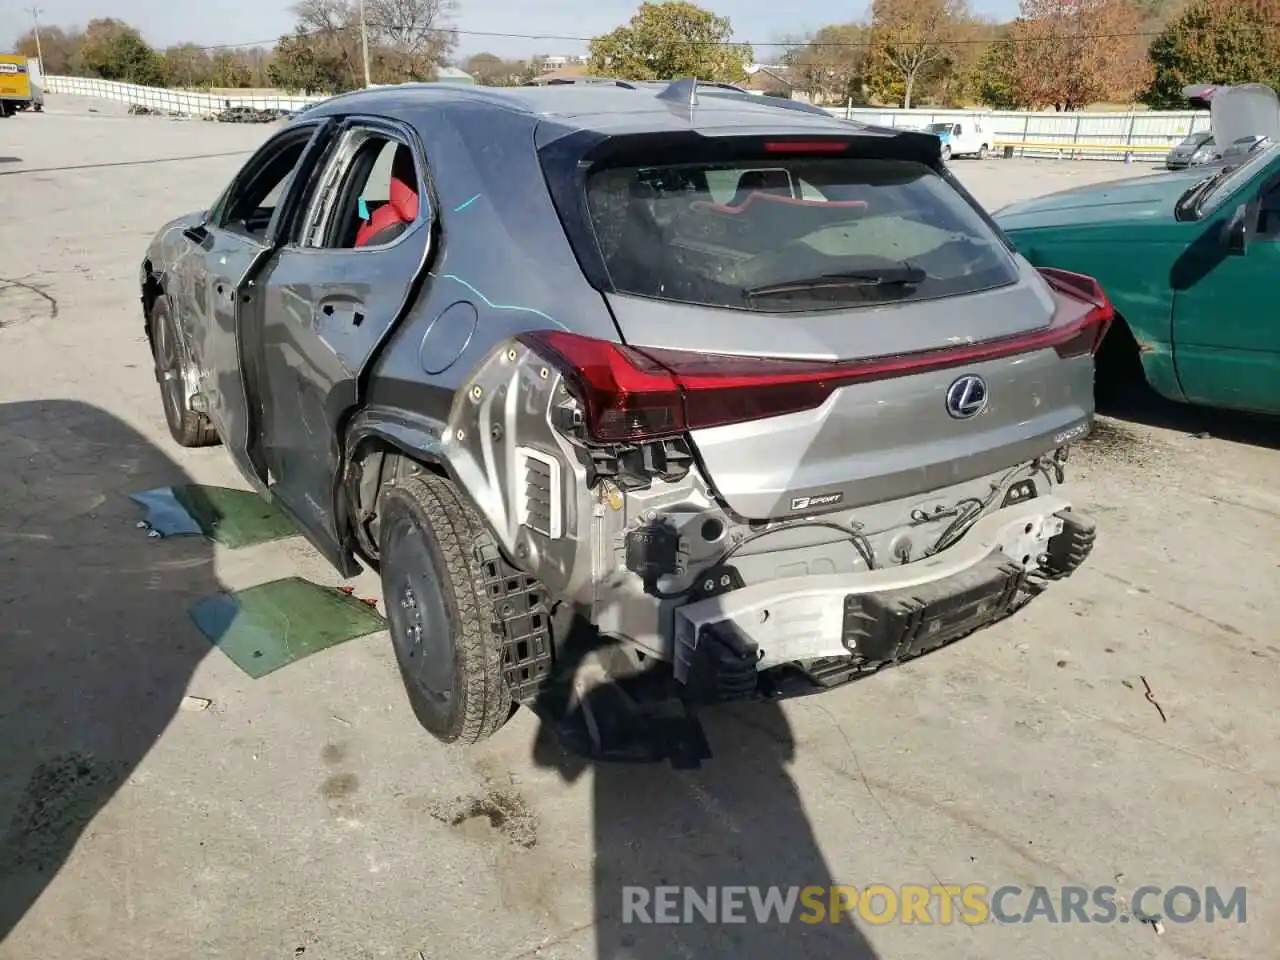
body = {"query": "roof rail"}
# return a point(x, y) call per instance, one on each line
point(574, 81)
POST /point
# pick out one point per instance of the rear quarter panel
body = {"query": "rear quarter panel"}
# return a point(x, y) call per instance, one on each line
point(501, 264)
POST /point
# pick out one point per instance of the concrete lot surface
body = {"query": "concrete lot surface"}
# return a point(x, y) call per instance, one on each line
point(306, 815)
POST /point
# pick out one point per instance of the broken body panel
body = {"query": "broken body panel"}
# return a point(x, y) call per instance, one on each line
point(453, 363)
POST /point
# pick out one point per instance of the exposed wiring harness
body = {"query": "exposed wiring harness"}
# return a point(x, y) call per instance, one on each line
point(965, 519)
point(859, 541)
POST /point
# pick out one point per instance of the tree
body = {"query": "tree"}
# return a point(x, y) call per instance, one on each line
point(1071, 53)
point(228, 70)
point(995, 77)
point(492, 71)
point(1215, 41)
point(408, 39)
point(300, 63)
point(186, 65)
point(960, 82)
point(414, 35)
point(113, 50)
point(911, 38)
point(830, 63)
point(666, 41)
point(59, 47)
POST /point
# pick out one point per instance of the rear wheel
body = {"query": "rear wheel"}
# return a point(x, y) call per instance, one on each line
point(982, 152)
point(174, 374)
point(443, 624)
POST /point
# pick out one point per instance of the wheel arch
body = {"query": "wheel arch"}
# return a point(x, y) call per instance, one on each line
point(378, 446)
point(153, 289)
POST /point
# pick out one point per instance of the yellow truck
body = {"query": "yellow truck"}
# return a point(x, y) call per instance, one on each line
point(16, 89)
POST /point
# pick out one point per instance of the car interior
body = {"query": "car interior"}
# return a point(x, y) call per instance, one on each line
point(379, 199)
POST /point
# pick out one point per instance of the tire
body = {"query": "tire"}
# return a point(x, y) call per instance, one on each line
point(173, 371)
point(946, 151)
point(443, 626)
point(982, 152)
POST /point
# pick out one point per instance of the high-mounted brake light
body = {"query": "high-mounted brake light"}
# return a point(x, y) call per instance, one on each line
point(806, 146)
point(1093, 325)
point(631, 394)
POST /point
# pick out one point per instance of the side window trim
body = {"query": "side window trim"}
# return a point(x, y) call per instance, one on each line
point(320, 205)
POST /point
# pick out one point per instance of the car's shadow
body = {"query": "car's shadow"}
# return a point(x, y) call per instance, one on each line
point(736, 821)
point(96, 648)
point(1138, 403)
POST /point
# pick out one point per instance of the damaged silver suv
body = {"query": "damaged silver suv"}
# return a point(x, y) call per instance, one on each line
point(762, 395)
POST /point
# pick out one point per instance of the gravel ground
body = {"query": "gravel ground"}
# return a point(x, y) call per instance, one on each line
point(305, 814)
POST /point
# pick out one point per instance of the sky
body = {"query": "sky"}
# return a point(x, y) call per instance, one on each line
point(251, 22)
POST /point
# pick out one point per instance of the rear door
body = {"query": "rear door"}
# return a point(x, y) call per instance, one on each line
point(878, 257)
point(329, 298)
point(237, 239)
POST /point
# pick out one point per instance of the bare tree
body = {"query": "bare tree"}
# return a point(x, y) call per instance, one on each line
point(415, 29)
point(912, 37)
point(829, 64)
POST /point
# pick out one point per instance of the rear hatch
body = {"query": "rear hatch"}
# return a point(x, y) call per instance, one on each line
point(844, 324)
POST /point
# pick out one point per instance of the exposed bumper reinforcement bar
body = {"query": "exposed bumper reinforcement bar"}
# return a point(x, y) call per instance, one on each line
point(803, 618)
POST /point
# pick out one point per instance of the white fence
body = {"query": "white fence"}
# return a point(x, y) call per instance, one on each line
point(1146, 135)
point(1096, 136)
point(175, 102)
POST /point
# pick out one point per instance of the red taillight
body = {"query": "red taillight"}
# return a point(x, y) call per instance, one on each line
point(806, 146)
point(630, 393)
point(1093, 324)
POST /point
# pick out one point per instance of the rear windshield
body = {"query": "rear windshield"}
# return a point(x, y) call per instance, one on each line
point(793, 234)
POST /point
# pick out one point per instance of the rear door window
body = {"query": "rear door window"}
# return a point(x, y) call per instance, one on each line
point(798, 235)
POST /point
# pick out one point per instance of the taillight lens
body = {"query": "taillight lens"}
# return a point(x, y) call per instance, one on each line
point(632, 394)
point(1093, 321)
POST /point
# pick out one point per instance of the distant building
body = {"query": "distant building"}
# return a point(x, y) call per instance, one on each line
point(773, 80)
point(558, 61)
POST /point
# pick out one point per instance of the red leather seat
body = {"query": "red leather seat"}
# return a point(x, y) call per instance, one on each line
point(401, 209)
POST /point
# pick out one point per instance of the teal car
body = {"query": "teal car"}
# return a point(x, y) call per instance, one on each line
point(1191, 260)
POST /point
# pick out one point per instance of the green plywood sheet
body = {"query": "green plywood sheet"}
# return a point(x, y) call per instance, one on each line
point(233, 518)
point(269, 626)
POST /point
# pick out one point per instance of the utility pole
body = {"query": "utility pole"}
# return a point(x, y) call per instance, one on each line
point(35, 16)
point(364, 43)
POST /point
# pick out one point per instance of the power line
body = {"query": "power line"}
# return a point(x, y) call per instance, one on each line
point(784, 44)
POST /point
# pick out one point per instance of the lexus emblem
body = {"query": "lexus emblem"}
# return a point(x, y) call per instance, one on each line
point(967, 397)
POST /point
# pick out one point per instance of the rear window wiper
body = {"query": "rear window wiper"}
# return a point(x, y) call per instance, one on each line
point(905, 275)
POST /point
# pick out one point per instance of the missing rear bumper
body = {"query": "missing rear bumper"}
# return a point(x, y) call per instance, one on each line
point(833, 627)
